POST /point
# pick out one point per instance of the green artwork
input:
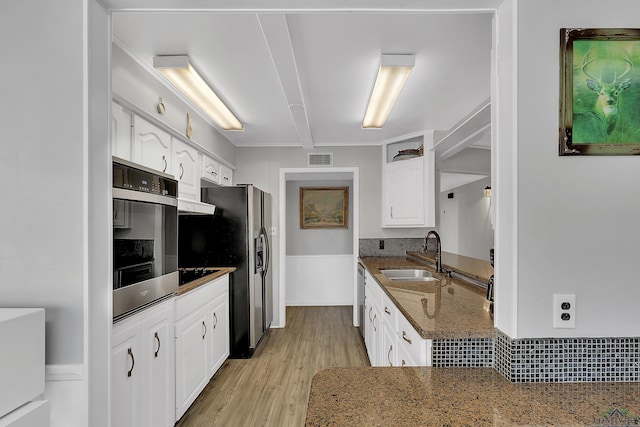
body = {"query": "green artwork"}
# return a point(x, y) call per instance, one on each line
point(606, 91)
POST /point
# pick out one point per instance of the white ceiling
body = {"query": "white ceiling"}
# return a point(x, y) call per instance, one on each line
point(303, 79)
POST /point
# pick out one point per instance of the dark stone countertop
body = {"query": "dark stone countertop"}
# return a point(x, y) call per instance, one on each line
point(446, 309)
point(463, 397)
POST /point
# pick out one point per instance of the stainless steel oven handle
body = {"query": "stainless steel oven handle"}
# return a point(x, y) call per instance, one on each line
point(139, 196)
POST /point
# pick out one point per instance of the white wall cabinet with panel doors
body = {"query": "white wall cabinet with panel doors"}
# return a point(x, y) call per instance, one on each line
point(210, 169)
point(226, 175)
point(121, 131)
point(151, 145)
point(202, 339)
point(143, 368)
point(184, 167)
point(408, 184)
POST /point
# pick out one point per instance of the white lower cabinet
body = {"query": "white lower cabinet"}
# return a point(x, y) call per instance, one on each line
point(389, 337)
point(143, 368)
point(201, 339)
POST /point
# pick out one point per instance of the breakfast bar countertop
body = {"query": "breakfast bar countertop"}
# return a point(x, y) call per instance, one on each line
point(463, 397)
point(444, 309)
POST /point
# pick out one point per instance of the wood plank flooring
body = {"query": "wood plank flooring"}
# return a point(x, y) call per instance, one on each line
point(272, 388)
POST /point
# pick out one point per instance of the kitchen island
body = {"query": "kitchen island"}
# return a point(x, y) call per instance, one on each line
point(463, 397)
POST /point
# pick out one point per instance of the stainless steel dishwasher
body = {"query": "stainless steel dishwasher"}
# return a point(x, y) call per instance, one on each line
point(361, 298)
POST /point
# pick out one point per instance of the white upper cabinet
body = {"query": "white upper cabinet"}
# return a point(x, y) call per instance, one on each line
point(226, 175)
point(121, 130)
point(184, 166)
point(210, 169)
point(151, 145)
point(408, 191)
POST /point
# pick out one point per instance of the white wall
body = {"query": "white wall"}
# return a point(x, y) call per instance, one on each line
point(322, 241)
point(465, 222)
point(44, 223)
point(577, 217)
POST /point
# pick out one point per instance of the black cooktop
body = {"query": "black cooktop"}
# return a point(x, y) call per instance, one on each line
point(189, 274)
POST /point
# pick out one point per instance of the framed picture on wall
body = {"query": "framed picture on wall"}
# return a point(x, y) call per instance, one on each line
point(324, 207)
point(599, 91)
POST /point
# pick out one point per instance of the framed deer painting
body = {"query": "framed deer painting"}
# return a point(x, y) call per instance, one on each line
point(599, 91)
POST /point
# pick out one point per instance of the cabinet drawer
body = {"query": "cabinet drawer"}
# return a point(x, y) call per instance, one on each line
point(389, 313)
point(191, 301)
point(411, 343)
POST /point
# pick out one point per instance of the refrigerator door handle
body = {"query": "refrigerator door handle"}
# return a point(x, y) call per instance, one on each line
point(267, 251)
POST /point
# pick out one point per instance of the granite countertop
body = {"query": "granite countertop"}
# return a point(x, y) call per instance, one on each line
point(215, 273)
point(462, 397)
point(446, 309)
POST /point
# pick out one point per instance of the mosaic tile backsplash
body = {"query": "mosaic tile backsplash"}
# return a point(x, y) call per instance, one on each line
point(459, 353)
point(567, 359)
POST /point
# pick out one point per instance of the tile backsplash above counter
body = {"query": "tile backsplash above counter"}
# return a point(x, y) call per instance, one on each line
point(389, 246)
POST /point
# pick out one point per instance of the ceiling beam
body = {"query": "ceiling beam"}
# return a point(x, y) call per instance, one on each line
point(276, 35)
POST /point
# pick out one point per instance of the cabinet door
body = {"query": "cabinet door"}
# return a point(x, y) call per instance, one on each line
point(226, 175)
point(389, 348)
point(404, 193)
point(192, 367)
point(184, 166)
point(151, 145)
point(127, 375)
point(219, 344)
point(120, 132)
point(159, 356)
point(210, 169)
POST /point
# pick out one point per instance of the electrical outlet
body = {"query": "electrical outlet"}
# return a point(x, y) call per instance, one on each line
point(381, 245)
point(564, 310)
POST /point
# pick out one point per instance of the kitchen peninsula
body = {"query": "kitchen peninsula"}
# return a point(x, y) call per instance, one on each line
point(446, 394)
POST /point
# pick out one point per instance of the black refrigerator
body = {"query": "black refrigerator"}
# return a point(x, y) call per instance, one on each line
point(236, 236)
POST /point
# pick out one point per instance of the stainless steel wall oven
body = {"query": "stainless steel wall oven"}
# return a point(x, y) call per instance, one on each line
point(145, 237)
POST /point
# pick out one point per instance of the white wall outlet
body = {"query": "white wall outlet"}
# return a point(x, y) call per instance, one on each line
point(564, 310)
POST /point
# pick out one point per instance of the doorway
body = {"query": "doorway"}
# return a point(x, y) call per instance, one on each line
point(317, 266)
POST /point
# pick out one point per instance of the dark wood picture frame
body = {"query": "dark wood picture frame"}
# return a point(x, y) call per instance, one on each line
point(324, 207)
point(599, 91)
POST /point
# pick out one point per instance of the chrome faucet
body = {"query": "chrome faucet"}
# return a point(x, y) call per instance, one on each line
point(439, 268)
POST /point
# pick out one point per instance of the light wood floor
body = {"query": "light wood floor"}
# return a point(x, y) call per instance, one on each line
point(272, 388)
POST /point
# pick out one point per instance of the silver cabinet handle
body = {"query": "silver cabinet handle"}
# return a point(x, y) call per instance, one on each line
point(386, 310)
point(204, 333)
point(389, 355)
point(370, 319)
point(391, 211)
point(404, 337)
point(164, 162)
point(404, 363)
point(155, 354)
point(215, 318)
point(133, 361)
point(374, 322)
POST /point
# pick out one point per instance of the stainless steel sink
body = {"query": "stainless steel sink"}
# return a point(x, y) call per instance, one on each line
point(409, 275)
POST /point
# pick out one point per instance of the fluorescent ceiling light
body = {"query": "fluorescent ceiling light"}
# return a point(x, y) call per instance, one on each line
point(393, 73)
point(181, 73)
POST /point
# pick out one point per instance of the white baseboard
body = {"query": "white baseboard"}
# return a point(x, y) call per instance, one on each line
point(66, 389)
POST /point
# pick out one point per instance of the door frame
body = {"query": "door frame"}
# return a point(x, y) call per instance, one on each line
point(324, 173)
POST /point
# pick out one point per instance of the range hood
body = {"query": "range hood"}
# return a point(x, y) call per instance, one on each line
point(192, 207)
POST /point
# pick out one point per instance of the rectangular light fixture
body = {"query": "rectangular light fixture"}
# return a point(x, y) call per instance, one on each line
point(179, 71)
point(392, 74)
